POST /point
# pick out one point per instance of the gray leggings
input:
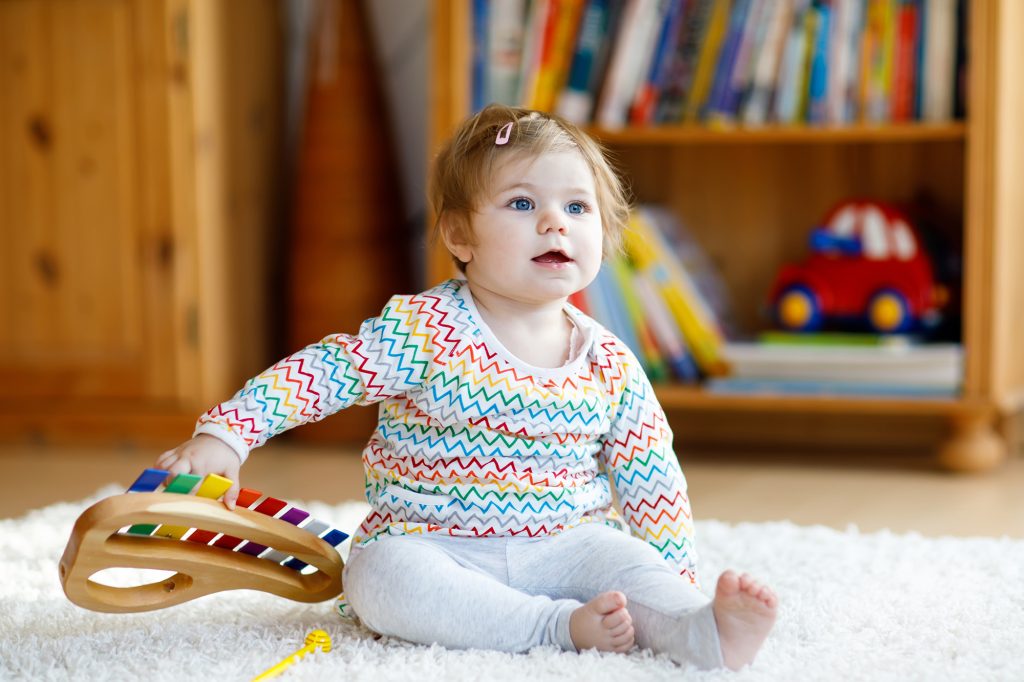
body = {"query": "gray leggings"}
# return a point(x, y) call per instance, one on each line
point(512, 594)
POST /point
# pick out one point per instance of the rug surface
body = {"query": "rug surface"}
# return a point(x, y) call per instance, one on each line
point(855, 606)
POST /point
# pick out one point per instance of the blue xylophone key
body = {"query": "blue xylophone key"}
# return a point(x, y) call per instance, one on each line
point(334, 538)
point(148, 481)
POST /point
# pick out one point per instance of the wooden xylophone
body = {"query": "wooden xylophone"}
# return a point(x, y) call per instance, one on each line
point(264, 544)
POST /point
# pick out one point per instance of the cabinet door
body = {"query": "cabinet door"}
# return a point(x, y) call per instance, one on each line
point(85, 261)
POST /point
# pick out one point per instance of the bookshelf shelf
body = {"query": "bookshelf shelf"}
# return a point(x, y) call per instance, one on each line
point(695, 399)
point(751, 194)
point(852, 134)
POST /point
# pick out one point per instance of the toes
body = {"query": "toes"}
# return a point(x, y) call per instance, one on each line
point(624, 642)
point(728, 583)
point(751, 586)
point(616, 619)
point(747, 583)
point(620, 629)
point(609, 602)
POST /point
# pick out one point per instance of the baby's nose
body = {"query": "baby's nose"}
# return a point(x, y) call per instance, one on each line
point(551, 221)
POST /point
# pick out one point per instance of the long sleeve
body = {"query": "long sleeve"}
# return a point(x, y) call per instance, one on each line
point(638, 456)
point(390, 354)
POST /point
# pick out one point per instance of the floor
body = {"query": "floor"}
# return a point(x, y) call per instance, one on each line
point(835, 491)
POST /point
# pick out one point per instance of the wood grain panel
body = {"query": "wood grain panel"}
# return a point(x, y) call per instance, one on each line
point(978, 243)
point(1008, 214)
point(157, 250)
point(26, 136)
point(70, 219)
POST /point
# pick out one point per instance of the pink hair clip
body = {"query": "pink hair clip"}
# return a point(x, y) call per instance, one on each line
point(504, 133)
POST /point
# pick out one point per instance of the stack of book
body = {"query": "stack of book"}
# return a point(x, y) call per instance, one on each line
point(668, 310)
point(749, 62)
point(842, 365)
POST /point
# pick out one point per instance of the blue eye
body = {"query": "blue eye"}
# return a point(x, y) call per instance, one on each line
point(576, 208)
point(521, 204)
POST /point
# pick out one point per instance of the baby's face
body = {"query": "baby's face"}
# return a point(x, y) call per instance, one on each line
point(537, 230)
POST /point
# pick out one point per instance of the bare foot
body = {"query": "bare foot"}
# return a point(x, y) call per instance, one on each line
point(745, 612)
point(603, 624)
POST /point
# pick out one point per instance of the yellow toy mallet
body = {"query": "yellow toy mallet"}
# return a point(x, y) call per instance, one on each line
point(317, 639)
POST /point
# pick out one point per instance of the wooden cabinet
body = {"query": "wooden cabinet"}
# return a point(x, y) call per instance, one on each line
point(750, 195)
point(138, 160)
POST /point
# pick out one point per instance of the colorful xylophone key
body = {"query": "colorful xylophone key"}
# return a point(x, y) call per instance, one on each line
point(213, 486)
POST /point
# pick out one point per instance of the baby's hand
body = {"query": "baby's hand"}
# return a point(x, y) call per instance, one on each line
point(201, 456)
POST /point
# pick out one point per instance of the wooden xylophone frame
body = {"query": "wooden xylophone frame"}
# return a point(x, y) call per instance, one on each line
point(201, 569)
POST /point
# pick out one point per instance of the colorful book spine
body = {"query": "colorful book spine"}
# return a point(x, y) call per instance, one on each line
point(479, 89)
point(649, 355)
point(703, 76)
point(576, 101)
point(618, 320)
point(818, 77)
point(786, 108)
point(538, 35)
point(939, 60)
point(628, 62)
point(876, 60)
point(646, 99)
point(683, 62)
point(726, 63)
point(755, 31)
point(505, 50)
point(560, 33)
point(666, 333)
point(758, 104)
point(848, 24)
point(650, 255)
point(905, 67)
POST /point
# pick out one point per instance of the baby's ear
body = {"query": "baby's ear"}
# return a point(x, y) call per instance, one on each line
point(455, 233)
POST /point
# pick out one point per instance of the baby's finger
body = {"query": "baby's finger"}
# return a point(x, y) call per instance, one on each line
point(181, 465)
point(166, 459)
point(231, 496)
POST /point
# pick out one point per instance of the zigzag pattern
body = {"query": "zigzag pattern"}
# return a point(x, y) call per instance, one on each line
point(471, 442)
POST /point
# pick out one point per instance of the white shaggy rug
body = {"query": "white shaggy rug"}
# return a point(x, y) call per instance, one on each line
point(855, 606)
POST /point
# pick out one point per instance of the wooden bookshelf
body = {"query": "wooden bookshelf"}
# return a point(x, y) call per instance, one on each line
point(692, 134)
point(751, 195)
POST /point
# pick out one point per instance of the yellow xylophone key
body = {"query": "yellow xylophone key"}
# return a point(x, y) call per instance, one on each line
point(213, 486)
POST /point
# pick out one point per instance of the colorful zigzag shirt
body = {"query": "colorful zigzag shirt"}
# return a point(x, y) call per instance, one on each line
point(472, 441)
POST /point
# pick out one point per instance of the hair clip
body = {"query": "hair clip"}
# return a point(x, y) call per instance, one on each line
point(504, 133)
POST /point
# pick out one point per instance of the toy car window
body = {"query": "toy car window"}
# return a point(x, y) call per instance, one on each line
point(903, 241)
point(876, 246)
point(844, 223)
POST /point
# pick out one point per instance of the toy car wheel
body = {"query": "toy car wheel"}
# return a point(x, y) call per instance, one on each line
point(798, 309)
point(889, 312)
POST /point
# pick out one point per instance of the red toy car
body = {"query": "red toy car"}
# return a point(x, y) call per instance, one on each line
point(867, 265)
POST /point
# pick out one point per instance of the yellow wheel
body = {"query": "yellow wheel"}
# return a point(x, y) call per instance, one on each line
point(889, 312)
point(797, 308)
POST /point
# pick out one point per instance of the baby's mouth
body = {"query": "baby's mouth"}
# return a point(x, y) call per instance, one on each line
point(552, 257)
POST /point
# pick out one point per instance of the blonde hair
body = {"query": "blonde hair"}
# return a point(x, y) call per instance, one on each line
point(462, 170)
